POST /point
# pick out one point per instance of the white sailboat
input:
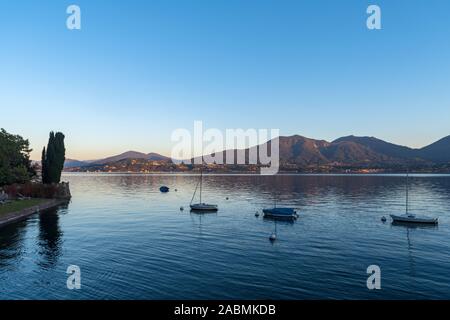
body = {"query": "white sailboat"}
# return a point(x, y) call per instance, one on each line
point(201, 206)
point(410, 217)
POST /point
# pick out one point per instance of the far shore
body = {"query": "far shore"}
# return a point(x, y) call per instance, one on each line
point(195, 173)
point(21, 209)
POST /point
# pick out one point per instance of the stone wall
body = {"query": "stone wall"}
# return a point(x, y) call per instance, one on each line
point(39, 190)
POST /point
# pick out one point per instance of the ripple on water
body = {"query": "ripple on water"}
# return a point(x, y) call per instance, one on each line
point(132, 242)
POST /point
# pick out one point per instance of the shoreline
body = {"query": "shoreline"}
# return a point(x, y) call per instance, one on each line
point(399, 174)
point(12, 217)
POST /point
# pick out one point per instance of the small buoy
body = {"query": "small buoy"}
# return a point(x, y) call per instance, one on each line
point(181, 208)
point(164, 189)
point(176, 190)
point(256, 214)
point(226, 198)
point(383, 219)
point(273, 237)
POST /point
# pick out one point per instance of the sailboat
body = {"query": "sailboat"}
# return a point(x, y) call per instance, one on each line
point(410, 217)
point(201, 206)
point(280, 212)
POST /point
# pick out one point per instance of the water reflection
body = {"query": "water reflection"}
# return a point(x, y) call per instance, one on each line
point(285, 221)
point(154, 250)
point(410, 228)
point(197, 218)
point(12, 242)
point(50, 238)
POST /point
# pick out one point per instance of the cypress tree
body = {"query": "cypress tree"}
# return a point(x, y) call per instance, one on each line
point(60, 156)
point(53, 160)
point(50, 158)
point(44, 167)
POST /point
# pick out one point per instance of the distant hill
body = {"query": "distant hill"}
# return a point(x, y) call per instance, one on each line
point(349, 152)
point(122, 156)
point(71, 163)
point(381, 147)
point(437, 152)
point(356, 151)
point(131, 155)
point(301, 152)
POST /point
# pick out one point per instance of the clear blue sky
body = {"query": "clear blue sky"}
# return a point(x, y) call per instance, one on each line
point(139, 69)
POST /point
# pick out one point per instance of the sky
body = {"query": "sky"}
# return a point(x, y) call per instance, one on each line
point(138, 70)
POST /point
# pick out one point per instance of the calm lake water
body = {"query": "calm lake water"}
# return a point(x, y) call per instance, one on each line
point(132, 242)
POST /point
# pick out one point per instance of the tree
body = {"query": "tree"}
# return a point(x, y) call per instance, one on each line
point(44, 167)
point(15, 164)
point(53, 158)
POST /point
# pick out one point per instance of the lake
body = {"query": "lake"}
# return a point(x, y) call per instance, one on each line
point(133, 242)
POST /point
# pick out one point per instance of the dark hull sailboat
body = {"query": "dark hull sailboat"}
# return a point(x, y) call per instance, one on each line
point(201, 206)
point(409, 217)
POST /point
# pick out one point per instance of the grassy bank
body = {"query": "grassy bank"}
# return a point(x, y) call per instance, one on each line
point(18, 205)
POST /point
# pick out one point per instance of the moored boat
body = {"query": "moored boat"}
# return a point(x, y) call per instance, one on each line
point(412, 218)
point(164, 189)
point(409, 217)
point(280, 213)
point(201, 206)
point(204, 207)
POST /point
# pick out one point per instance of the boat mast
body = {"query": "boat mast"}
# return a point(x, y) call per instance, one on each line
point(201, 181)
point(276, 193)
point(407, 190)
point(195, 191)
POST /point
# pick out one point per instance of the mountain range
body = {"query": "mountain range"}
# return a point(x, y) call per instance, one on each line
point(299, 151)
point(359, 150)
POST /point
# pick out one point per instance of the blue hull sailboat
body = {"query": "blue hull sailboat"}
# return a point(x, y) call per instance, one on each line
point(280, 213)
point(164, 189)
